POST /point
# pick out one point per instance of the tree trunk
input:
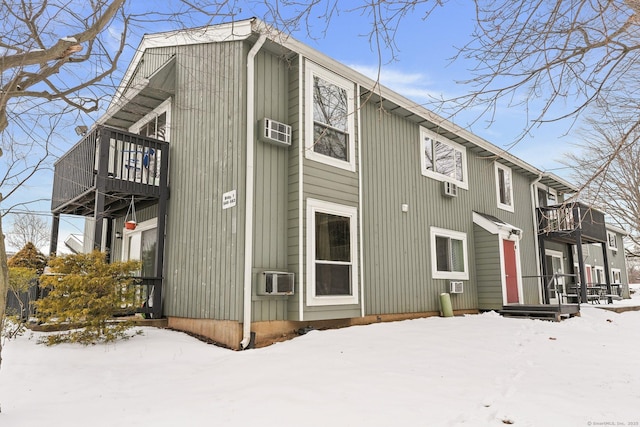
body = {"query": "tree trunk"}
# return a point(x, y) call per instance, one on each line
point(4, 283)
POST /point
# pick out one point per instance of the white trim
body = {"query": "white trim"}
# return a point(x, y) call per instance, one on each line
point(301, 265)
point(140, 227)
point(360, 203)
point(505, 230)
point(556, 254)
point(515, 239)
point(613, 273)
point(427, 134)
point(249, 193)
point(313, 206)
point(232, 31)
point(615, 240)
point(311, 70)
point(588, 279)
point(506, 170)
point(457, 235)
point(165, 107)
point(599, 271)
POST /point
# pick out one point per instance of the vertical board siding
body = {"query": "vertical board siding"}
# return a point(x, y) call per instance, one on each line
point(397, 252)
point(204, 255)
point(335, 185)
point(489, 274)
point(271, 188)
point(293, 210)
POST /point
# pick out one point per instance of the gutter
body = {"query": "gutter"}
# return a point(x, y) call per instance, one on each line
point(249, 190)
point(534, 212)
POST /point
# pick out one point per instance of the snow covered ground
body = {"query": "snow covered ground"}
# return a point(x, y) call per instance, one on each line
point(478, 370)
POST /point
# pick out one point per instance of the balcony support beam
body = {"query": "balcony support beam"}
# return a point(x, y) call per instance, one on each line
point(55, 230)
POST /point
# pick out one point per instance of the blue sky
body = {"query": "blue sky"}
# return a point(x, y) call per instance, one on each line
point(422, 69)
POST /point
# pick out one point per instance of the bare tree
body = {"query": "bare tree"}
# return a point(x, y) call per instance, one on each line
point(58, 59)
point(28, 228)
point(608, 170)
point(42, 42)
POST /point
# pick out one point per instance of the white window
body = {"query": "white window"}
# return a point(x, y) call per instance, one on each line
point(330, 135)
point(504, 187)
point(332, 267)
point(616, 275)
point(140, 244)
point(612, 241)
point(600, 278)
point(156, 124)
point(443, 159)
point(449, 254)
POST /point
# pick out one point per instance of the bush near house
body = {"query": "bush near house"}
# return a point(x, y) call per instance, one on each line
point(24, 268)
point(84, 294)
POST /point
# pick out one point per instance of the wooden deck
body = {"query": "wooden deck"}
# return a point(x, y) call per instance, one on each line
point(553, 312)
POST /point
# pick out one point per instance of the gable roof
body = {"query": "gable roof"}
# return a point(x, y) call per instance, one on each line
point(145, 96)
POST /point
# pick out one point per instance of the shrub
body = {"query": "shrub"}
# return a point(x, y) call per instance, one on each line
point(21, 279)
point(84, 293)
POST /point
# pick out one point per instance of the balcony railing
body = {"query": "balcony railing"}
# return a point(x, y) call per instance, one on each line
point(566, 219)
point(127, 163)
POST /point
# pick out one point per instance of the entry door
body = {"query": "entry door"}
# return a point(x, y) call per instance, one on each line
point(554, 260)
point(140, 245)
point(510, 271)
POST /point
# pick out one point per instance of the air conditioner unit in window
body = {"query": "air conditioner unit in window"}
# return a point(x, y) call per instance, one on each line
point(449, 189)
point(276, 283)
point(456, 287)
point(275, 132)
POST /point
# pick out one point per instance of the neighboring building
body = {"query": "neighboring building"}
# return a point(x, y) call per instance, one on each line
point(304, 194)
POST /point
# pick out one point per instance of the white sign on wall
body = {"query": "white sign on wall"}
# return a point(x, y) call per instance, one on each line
point(229, 199)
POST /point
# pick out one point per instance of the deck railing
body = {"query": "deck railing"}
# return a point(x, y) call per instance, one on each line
point(570, 217)
point(128, 162)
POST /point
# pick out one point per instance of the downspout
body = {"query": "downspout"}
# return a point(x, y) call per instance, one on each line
point(534, 196)
point(248, 223)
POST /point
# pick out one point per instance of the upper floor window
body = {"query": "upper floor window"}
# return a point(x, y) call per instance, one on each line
point(330, 122)
point(449, 254)
point(504, 187)
point(156, 124)
point(443, 159)
point(612, 241)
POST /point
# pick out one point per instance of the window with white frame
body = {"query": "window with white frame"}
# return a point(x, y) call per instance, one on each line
point(449, 254)
point(504, 187)
point(156, 124)
point(600, 278)
point(616, 275)
point(443, 159)
point(330, 124)
point(140, 244)
point(612, 241)
point(332, 267)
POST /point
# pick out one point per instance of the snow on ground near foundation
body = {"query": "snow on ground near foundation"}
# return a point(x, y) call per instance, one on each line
point(476, 370)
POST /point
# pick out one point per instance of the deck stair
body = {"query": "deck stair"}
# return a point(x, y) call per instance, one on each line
point(552, 312)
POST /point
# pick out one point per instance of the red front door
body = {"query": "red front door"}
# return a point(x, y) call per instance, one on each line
point(510, 271)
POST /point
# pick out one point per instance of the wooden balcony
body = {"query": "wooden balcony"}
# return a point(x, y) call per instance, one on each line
point(112, 163)
point(564, 222)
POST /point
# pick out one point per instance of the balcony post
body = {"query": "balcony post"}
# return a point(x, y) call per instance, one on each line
point(101, 185)
point(55, 229)
point(583, 276)
point(607, 274)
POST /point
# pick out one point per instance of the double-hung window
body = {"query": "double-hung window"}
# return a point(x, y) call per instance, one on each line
point(329, 118)
point(612, 241)
point(443, 159)
point(332, 253)
point(449, 254)
point(504, 187)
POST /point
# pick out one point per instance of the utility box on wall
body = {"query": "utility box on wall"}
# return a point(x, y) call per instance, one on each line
point(276, 283)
